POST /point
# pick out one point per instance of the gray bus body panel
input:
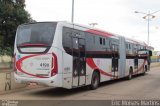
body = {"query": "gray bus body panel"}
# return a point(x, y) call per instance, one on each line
point(122, 56)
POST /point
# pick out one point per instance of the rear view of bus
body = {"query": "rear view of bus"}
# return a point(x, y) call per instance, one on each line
point(36, 55)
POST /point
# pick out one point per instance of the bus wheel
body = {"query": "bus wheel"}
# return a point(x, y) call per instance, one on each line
point(130, 74)
point(95, 80)
point(145, 70)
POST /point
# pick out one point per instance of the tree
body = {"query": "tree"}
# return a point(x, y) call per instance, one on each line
point(12, 14)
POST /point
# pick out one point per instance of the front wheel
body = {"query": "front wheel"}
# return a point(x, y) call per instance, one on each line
point(95, 80)
point(145, 70)
point(130, 74)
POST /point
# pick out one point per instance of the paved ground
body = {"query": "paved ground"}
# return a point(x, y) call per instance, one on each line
point(140, 87)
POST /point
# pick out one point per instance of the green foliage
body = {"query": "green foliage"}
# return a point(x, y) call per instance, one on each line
point(6, 51)
point(12, 14)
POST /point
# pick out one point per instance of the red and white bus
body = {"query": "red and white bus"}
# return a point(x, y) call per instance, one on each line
point(67, 55)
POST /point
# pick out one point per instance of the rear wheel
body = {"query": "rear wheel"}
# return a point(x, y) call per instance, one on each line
point(130, 74)
point(145, 70)
point(95, 80)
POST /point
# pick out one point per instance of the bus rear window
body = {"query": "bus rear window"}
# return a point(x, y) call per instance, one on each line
point(41, 34)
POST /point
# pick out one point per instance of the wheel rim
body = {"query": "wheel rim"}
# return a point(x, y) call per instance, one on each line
point(95, 81)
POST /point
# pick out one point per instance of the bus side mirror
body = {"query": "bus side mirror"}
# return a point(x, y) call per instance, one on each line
point(150, 53)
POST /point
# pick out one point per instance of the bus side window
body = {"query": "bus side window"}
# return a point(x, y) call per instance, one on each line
point(104, 42)
point(107, 44)
point(100, 41)
point(67, 40)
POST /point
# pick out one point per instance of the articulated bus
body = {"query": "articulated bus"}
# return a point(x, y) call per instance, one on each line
point(67, 55)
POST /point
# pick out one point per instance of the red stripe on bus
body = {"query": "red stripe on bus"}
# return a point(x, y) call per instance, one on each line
point(91, 63)
point(102, 33)
point(141, 67)
point(19, 67)
point(34, 45)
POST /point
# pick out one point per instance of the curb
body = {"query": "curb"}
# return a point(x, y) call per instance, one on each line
point(28, 87)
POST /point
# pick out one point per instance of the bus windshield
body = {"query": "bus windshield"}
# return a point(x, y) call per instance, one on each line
point(41, 34)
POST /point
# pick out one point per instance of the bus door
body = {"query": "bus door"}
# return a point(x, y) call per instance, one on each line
point(136, 63)
point(114, 60)
point(79, 62)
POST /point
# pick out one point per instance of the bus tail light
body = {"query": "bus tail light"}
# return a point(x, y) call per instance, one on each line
point(54, 65)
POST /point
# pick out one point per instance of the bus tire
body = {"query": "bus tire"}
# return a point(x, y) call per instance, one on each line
point(145, 70)
point(130, 74)
point(95, 80)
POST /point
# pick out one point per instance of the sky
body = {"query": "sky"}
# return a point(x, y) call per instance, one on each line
point(115, 16)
